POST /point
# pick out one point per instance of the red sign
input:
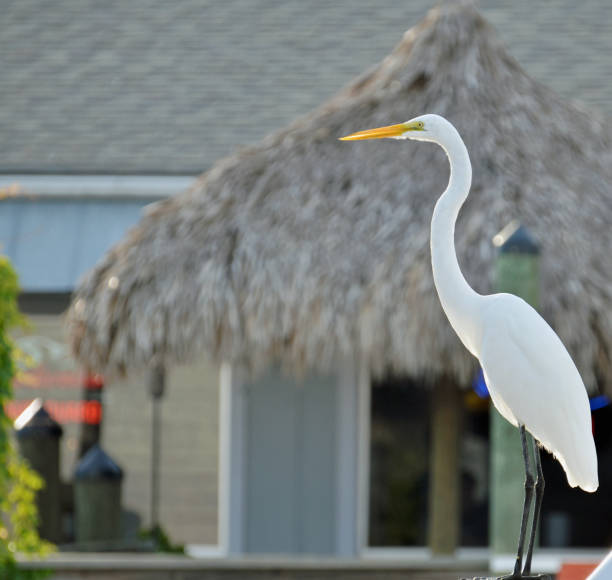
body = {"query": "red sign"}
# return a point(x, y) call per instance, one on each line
point(50, 372)
point(62, 411)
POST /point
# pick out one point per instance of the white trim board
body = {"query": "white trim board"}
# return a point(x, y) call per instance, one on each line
point(92, 186)
point(230, 522)
point(347, 470)
point(364, 417)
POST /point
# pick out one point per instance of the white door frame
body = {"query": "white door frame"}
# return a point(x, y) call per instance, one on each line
point(364, 417)
point(231, 493)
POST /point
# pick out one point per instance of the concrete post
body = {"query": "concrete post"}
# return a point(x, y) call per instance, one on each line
point(516, 272)
point(38, 437)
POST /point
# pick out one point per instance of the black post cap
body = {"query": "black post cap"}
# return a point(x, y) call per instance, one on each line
point(96, 464)
point(36, 421)
point(516, 239)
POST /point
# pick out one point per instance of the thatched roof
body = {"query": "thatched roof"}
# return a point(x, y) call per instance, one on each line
point(304, 249)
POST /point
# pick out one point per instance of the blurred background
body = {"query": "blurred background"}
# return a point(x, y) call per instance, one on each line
point(106, 107)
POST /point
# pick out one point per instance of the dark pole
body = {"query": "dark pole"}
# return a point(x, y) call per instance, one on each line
point(157, 380)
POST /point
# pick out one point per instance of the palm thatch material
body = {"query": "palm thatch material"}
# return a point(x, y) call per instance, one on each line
point(304, 249)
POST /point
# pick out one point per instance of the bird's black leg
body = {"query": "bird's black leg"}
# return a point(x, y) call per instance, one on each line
point(539, 494)
point(529, 485)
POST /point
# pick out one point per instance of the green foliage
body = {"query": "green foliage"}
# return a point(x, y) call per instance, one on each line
point(161, 541)
point(18, 482)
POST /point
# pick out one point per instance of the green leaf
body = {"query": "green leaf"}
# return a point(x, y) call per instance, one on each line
point(18, 481)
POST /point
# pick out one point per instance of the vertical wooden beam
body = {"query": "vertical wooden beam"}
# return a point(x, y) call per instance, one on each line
point(444, 484)
point(516, 272)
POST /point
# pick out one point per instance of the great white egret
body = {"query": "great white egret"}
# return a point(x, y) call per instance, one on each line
point(532, 379)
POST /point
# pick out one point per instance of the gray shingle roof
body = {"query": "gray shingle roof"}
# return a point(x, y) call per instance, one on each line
point(168, 87)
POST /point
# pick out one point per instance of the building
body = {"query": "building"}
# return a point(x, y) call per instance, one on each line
point(180, 154)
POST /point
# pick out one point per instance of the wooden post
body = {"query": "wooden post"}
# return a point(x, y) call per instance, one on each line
point(516, 272)
point(444, 487)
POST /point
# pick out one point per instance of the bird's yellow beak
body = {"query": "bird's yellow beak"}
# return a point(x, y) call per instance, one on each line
point(382, 132)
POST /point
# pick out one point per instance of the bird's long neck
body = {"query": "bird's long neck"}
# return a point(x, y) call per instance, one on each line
point(459, 301)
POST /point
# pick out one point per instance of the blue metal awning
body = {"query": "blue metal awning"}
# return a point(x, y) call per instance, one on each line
point(53, 238)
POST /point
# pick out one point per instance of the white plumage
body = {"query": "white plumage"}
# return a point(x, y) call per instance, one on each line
point(534, 382)
point(531, 377)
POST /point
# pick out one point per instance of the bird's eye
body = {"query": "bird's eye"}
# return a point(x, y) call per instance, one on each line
point(421, 125)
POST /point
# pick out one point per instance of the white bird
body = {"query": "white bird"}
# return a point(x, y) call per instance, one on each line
point(532, 379)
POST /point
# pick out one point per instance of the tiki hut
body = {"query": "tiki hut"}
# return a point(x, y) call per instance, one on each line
point(303, 250)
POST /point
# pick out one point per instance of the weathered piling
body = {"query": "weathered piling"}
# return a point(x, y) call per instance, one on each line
point(38, 437)
point(97, 497)
point(516, 272)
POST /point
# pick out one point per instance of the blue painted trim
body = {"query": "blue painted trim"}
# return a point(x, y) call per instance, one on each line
point(598, 402)
point(479, 385)
point(480, 388)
